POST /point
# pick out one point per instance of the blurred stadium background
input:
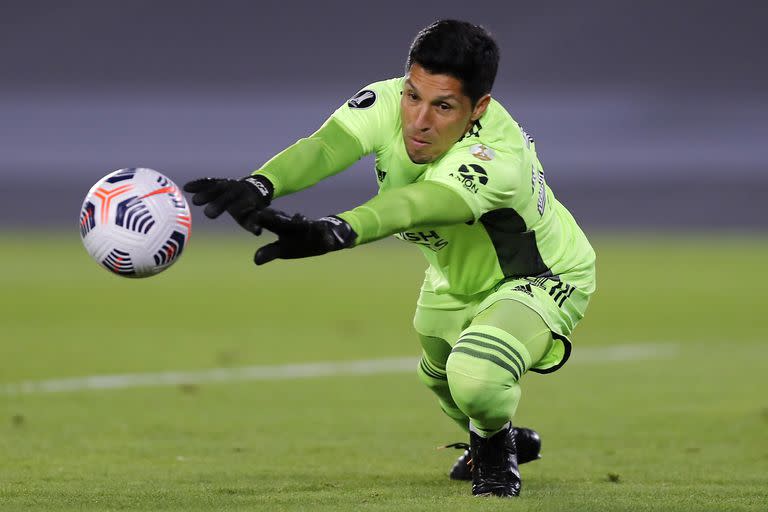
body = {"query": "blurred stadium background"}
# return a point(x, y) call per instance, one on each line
point(650, 121)
point(647, 115)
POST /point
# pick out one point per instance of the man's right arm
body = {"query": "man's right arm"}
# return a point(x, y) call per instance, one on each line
point(328, 151)
point(356, 129)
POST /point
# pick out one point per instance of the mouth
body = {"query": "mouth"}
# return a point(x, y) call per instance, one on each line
point(419, 143)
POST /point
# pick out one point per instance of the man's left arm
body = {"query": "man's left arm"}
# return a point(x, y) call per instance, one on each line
point(420, 204)
point(426, 203)
point(455, 191)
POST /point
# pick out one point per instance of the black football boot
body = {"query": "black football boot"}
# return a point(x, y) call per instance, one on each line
point(528, 445)
point(494, 464)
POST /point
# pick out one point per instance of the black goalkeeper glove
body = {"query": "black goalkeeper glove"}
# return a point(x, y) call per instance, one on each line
point(242, 198)
point(300, 237)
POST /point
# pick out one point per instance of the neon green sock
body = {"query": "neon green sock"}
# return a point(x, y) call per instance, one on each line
point(432, 373)
point(483, 370)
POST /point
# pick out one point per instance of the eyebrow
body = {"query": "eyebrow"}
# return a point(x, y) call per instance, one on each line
point(439, 98)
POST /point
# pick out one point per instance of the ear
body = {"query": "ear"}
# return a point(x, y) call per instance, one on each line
point(480, 107)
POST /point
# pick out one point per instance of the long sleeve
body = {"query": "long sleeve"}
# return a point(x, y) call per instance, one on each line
point(419, 204)
point(328, 151)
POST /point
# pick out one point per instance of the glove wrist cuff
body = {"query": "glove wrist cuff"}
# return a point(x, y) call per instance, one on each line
point(343, 234)
point(262, 186)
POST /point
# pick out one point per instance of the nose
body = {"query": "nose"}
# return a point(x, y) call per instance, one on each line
point(423, 120)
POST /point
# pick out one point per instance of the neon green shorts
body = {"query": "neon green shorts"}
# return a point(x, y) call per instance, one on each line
point(559, 304)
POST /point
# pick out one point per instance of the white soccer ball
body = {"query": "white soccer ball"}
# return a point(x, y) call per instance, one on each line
point(135, 222)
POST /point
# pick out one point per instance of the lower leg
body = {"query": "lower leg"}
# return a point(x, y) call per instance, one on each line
point(436, 379)
point(491, 355)
point(431, 372)
point(490, 399)
point(483, 372)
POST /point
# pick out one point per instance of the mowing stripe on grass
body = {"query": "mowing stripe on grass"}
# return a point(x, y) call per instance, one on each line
point(306, 370)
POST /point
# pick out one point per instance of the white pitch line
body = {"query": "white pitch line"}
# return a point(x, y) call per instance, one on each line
point(304, 371)
point(633, 352)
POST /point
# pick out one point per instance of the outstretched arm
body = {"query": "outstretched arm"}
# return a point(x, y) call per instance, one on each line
point(328, 151)
point(419, 204)
point(355, 129)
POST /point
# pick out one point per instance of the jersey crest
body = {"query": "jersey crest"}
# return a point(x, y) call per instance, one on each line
point(482, 152)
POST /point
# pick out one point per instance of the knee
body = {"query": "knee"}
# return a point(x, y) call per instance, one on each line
point(478, 394)
point(474, 397)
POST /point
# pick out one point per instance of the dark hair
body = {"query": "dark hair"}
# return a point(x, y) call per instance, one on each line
point(460, 49)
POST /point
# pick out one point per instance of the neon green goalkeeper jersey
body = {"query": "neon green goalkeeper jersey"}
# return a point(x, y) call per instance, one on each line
point(519, 228)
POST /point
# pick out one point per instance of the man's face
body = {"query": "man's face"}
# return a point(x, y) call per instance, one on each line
point(435, 113)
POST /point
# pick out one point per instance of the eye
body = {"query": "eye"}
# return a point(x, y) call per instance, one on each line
point(412, 96)
point(445, 106)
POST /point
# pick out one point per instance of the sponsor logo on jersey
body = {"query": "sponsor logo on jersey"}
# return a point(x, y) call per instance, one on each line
point(470, 176)
point(430, 239)
point(482, 152)
point(380, 175)
point(363, 99)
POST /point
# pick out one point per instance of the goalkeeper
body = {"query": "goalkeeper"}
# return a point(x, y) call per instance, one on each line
point(510, 273)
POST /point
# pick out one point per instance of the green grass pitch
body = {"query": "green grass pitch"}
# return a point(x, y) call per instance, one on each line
point(686, 430)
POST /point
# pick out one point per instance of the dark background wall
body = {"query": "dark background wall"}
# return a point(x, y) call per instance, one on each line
point(647, 114)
